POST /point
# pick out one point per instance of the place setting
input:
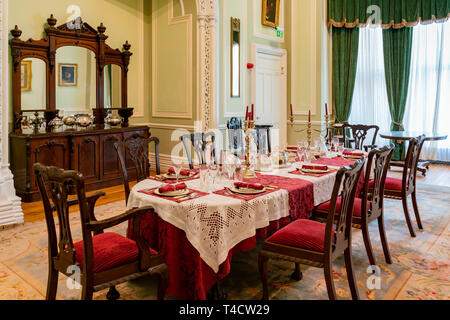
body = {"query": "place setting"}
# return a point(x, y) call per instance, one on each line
point(246, 191)
point(174, 192)
point(313, 170)
point(172, 177)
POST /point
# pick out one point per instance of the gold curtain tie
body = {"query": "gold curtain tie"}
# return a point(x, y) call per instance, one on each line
point(398, 124)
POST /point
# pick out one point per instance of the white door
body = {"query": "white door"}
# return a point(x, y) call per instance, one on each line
point(269, 91)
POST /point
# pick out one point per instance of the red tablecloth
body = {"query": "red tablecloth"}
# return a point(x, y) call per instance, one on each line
point(190, 277)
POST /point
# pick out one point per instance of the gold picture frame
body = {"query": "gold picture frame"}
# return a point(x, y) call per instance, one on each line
point(271, 13)
point(26, 75)
point(68, 75)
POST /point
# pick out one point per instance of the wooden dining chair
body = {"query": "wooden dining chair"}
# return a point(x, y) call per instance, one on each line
point(358, 134)
point(136, 149)
point(235, 136)
point(263, 139)
point(318, 244)
point(199, 141)
point(369, 206)
point(102, 260)
point(400, 189)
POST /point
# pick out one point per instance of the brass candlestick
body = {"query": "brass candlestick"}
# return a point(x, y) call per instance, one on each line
point(248, 128)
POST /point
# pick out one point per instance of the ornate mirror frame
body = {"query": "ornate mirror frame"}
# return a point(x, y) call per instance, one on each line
point(78, 34)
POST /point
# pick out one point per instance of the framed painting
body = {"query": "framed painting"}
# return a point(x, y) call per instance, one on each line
point(26, 75)
point(271, 13)
point(68, 75)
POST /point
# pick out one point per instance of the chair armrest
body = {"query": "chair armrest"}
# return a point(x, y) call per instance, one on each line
point(370, 147)
point(96, 226)
point(92, 199)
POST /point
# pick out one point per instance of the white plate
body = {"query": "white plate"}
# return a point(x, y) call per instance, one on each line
point(313, 171)
point(174, 177)
point(177, 193)
point(246, 191)
point(353, 157)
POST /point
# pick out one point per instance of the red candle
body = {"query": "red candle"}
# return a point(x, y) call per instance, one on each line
point(246, 114)
point(309, 117)
point(292, 113)
point(326, 108)
point(253, 112)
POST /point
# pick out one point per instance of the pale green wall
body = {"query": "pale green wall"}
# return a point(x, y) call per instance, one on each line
point(307, 30)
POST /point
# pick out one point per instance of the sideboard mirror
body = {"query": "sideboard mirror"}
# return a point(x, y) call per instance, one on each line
point(76, 87)
point(70, 71)
point(113, 86)
point(33, 84)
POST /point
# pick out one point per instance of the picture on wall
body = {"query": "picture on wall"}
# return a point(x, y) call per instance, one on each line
point(25, 75)
point(271, 13)
point(68, 75)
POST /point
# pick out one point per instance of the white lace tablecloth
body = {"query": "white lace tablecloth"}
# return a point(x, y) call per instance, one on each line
point(214, 224)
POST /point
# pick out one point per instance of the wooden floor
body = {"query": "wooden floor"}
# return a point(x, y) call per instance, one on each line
point(438, 175)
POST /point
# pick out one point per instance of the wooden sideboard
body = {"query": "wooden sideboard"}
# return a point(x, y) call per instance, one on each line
point(89, 151)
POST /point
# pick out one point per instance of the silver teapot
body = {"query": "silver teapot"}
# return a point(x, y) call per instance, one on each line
point(112, 120)
point(69, 121)
point(56, 123)
point(84, 120)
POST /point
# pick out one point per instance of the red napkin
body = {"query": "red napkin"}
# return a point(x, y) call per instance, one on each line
point(254, 186)
point(292, 148)
point(315, 167)
point(352, 153)
point(171, 187)
point(185, 173)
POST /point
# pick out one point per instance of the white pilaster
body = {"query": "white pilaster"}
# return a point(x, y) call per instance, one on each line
point(10, 204)
point(207, 14)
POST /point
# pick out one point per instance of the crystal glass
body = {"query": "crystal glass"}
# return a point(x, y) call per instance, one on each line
point(177, 167)
point(204, 176)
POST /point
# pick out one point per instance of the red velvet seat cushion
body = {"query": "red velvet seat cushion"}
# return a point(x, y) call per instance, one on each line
point(390, 184)
point(302, 233)
point(110, 250)
point(357, 206)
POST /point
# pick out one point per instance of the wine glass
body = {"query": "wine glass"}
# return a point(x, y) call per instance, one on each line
point(177, 167)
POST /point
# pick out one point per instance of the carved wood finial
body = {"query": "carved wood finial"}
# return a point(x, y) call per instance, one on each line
point(127, 46)
point(101, 28)
point(52, 21)
point(16, 32)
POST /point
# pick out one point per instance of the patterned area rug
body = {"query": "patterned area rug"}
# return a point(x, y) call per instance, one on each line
point(420, 269)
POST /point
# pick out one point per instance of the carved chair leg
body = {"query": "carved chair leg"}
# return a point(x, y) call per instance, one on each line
point(163, 281)
point(368, 244)
point(350, 273)
point(262, 264)
point(416, 210)
point(87, 292)
point(384, 242)
point(297, 275)
point(408, 219)
point(328, 273)
point(52, 283)
point(113, 294)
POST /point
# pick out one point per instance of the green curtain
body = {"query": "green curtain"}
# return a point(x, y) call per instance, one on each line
point(397, 47)
point(394, 13)
point(345, 58)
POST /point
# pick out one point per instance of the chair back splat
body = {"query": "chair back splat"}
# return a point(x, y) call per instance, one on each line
point(359, 133)
point(199, 141)
point(377, 167)
point(348, 178)
point(135, 149)
point(411, 163)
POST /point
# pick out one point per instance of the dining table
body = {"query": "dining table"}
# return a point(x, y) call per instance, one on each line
point(198, 234)
point(402, 136)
